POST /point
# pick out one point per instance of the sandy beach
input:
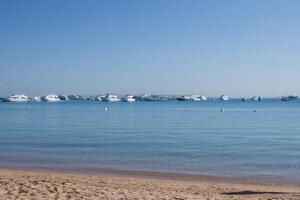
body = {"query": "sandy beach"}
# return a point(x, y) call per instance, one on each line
point(17, 184)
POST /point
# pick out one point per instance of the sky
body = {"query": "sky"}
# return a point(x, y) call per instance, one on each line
point(237, 48)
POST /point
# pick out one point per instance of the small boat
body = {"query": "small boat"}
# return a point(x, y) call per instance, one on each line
point(144, 97)
point(18, 98)
point(203, 98)
point(75, 97)
point(37, 99)
point(129, 98)
point(152, 98)
point(51, 98)
point(289, 98)
point(256, 98)
point(111, 98)
point(224, 98)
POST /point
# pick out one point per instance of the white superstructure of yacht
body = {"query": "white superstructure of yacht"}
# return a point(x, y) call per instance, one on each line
point(51, 98)
point(186, 98)
point(224, 98)
point(129, 98)
point(18, 98)
point(195, 97)
point(111, 98)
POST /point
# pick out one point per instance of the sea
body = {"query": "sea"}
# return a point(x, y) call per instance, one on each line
point(214, 138)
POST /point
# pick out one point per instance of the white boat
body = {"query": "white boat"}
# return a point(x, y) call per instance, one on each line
point(224, 98)
point(37, 99)
point(129, 98)
point(184, 98)
point(18, 98)
point(195, 97)
point(256, 98)
point(111, 98)
point(51, 98)
point(203, 98)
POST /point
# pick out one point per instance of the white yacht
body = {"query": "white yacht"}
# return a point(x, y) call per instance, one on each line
point(254, 98)
point(18, 98)
point(111, 98)
point(224, 98)
point(203, 98)
point(52, 98)
point(129, 98)
point(195, 97)
point(37, 99)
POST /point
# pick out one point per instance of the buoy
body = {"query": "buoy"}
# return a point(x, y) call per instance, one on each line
point(105, 108)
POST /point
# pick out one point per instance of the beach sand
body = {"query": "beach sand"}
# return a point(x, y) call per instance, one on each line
point(17, 184)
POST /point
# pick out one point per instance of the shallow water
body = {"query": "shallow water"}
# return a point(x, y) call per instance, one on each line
point(182, 137)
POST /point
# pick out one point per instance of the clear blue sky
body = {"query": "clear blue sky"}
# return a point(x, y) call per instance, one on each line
point(239, 48)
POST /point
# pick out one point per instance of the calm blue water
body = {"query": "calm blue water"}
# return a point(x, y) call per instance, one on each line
point(184, 137)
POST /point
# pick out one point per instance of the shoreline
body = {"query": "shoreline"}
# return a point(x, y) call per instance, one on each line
point(155, 175)
point(33, 184)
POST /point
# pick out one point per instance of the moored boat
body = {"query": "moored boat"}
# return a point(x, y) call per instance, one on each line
point(224, 98)
point(203, 98)
point(195, 97)
point(254, 98)
point(289, 98)
point(129, 98)
point(111, 98)
point(18, 98)
point(37, 99)
point(51, 98)
point(63, 97)
point(184, 98)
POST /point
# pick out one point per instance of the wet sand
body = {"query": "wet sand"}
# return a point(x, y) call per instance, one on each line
point(21, 184)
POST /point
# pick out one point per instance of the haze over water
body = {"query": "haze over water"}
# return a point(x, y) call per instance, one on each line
point(181, 137)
